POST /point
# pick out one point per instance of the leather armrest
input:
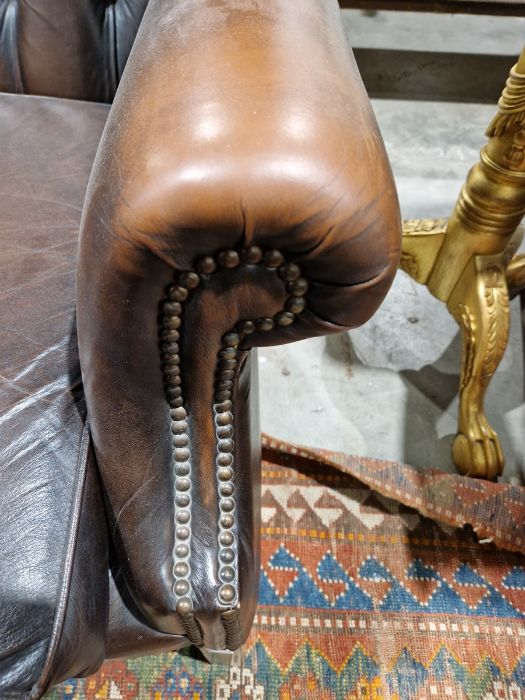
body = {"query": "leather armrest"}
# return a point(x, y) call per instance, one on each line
point(241, 191)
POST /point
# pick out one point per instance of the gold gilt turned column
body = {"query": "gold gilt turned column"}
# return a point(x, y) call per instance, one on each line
point(469, 263)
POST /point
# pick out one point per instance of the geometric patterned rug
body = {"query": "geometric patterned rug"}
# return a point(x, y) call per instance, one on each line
point(377, 581)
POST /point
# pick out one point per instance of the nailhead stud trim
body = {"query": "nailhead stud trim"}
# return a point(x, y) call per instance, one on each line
point(227, 367)
point(171, 323)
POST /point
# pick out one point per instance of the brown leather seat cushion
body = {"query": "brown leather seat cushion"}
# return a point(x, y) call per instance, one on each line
point(47, 148)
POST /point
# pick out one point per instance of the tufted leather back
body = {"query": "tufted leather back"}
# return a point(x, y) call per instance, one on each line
point(66, 48)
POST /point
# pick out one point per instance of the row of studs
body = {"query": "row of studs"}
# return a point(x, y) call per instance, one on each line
point(170, 335)
point(227, 361)
point(226, 366)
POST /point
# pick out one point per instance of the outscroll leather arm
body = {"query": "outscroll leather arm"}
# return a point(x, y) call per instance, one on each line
point(241, 196)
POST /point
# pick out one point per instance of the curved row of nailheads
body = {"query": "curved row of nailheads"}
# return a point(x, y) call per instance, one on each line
point(171, 323)
point(227, 361)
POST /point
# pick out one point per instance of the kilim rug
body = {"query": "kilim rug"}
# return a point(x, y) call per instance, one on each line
point(377, 581)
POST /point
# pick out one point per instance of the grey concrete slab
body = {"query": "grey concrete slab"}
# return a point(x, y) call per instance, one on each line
point(415, 31)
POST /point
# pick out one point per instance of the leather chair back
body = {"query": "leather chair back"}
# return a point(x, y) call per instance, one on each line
point(66, 48)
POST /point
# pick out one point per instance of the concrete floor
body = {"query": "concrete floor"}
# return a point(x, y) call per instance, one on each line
point(389, 389)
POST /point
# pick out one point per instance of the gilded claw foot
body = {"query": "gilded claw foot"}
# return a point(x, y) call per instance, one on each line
point(480, 305)
point(477, 452)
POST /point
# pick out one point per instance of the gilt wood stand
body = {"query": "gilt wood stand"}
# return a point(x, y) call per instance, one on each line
point(469, 262)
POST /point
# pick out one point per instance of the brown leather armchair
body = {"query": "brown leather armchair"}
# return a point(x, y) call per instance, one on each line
point(239, 195)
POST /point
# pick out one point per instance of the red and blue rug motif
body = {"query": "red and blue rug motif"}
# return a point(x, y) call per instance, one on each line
point(377, 581)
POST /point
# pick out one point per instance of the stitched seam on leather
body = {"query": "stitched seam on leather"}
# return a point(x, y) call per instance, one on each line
point(110, 30)
point(8, 25)
point(67, 566)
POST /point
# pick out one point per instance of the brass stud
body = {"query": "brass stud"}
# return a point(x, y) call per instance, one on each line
point(224, 474)
point(206, 265)
point(298, 287)
point(226, 489)
point(252, 255)
point(171, 349)
point(246, 327)
point(226, 573)
point(183, 517)
point(181, 440)
point(178, 427)
point(227, 520)
point(226, 539)
point(273, 258)
point(182, 500)
point(231, 340)
point(182, 551)
point(296, 305)
point(190, 280)
point(181, 587)
point(173, 380)
point(181, 454)
point(289, 272)
point(224, 431)
point(176, 403)
point(170, 334)
point(178, 293)
point(179, 414)
point(181, 569)
point(175, 392)
point(224, 459)
point(182, 532)
point(284, 318)
point(227, 593)
point(182, 469)
point(172, 308)
point(182, 484)
point(172, 322)
point(225, 445)
point(227, 555)
point(222, 395)
point(229, 258)
point(184, 606)
point(168, 359)
point(264, 324)
point(227, 505)
point(224, 418)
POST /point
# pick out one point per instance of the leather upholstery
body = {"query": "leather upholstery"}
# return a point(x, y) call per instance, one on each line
point(236, 124)
point(54, 582)
point(66, 48)
point(240, 154)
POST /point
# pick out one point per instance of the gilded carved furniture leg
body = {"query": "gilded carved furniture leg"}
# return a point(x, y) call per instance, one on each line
point(467, 262)
point(480, 305)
